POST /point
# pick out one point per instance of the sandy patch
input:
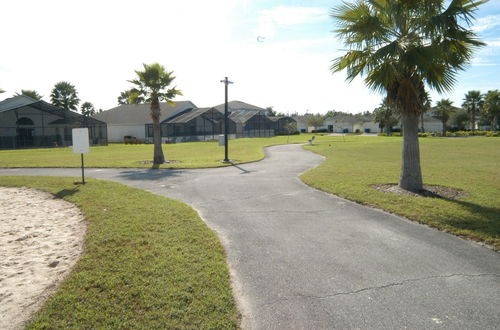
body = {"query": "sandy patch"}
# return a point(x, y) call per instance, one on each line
point(41, 238)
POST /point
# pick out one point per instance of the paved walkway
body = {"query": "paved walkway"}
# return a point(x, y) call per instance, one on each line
point(304, 259)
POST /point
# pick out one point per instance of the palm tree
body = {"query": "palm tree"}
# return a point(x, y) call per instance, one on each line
point(443, 111)
point(87, 109)
point(491, 107)
point(473, 103)
point(1, 91)
point(385, 117)
point(150, 86)
point(402, 46)
point(64, 95)
point(125, 96)
point(426, 106)
point(30, 93)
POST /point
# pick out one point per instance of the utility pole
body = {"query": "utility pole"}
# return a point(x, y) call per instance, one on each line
point(226, 124)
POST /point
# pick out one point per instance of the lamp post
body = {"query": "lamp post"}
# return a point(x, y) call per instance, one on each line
point(226, 82)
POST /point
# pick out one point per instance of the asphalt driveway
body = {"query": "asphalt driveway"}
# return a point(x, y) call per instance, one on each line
point(304, 259)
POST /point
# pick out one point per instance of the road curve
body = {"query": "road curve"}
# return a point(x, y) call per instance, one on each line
point(304, 259)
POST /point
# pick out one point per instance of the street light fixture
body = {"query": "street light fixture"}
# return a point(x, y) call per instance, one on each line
point(226, 82)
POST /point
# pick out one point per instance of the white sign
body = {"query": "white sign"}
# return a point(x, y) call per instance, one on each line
point(80, 140)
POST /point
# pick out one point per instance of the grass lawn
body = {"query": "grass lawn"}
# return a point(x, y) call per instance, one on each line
point(187, 155)
point(149, 262)
point(471, 164)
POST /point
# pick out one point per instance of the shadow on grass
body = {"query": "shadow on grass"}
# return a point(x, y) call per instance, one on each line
point(66, 192)
point(150, 174)
point(488, 222)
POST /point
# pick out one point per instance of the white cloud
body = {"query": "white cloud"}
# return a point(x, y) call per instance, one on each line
point(486, 23)
point(272, 19)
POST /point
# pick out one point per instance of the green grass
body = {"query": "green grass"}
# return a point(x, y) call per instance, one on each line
point(470, 164)
point(149, 262)
point(186, 155)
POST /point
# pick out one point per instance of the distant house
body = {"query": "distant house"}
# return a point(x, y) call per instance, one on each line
point(282, 125)
point(134, 119)
point(252, 123)
point(29, 123)
point(240, 106)
point(200, 124)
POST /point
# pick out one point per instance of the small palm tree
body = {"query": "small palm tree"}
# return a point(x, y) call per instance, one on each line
point(491, 107)
point(64, 95)
point(385, 116)
point(426, 106)
point(150, 86)
point(402, 46)
point(473, 103)
point(87, 109)
point(1, 91)
point(443, 111)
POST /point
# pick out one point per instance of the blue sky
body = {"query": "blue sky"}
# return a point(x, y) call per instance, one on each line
point(278, 53)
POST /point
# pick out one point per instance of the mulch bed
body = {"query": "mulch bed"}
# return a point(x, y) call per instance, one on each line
point(433, 191)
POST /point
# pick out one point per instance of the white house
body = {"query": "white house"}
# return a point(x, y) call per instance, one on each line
point(131, 119)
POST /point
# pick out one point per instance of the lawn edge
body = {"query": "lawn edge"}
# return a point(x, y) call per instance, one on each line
point(470, 238)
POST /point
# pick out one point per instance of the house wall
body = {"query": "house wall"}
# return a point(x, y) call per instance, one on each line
point(338, 127)
point(372, 126)
point(432, 126)
point(116, 132)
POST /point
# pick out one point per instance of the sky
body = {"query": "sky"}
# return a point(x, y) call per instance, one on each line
point(277, 53)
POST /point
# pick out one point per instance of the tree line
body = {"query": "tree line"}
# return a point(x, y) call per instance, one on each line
point(63, 95)
point(477, 109)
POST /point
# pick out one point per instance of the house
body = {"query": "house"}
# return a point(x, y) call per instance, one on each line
point(133, 119)
point(283, 125)
point(238, 105)
point(28, 123)
point(252, 123)
point(200, 124)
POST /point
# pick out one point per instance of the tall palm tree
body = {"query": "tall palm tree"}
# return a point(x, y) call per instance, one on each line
point(443, 111)
point(150, 87)
point(1, 91)
point(491, 107)
point(402, 46)
point(473, 103)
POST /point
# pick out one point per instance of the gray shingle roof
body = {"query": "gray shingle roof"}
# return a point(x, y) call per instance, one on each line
point(16, 102)
point(141, 113)
point(190, 115)
point(242, 116)
point(238, 105)
point(67, 116)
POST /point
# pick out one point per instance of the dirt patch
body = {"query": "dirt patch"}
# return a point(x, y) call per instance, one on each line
point(41, 238)
point(432, 191)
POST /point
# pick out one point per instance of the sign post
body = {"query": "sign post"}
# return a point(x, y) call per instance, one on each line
point(81, 145)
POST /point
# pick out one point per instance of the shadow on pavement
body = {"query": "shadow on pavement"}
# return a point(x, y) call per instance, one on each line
point(150, 174)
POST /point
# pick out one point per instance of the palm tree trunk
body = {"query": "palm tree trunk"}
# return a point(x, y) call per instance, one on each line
point(422, 122)
point(158, 157)
point(444, 127)
point(494, 123)
point(411, 174)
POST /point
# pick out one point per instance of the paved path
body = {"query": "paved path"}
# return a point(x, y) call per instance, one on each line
point(303, 259)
